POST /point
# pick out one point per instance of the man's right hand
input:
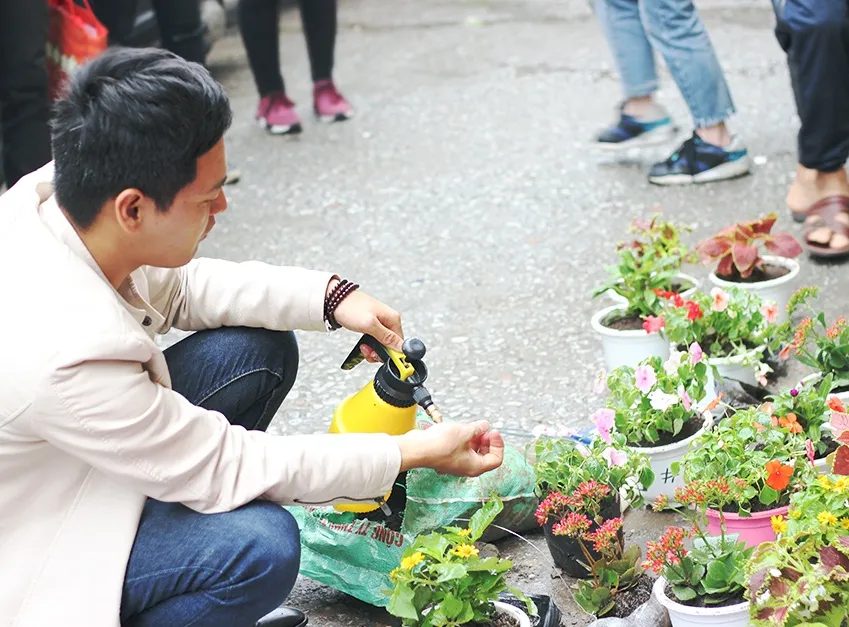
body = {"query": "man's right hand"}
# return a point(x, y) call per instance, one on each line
point(463, 450)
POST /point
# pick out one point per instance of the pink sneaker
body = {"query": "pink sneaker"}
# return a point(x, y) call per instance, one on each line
point(329, 104)
point(276, 114)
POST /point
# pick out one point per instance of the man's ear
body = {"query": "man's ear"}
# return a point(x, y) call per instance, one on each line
point(131, 207)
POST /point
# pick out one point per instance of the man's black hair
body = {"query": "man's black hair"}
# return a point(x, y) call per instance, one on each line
point(133, 118)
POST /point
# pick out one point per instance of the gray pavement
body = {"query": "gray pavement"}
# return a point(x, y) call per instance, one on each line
point(465, 194)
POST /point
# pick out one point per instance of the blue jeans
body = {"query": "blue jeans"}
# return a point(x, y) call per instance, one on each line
point(634, 29)
point(227, 569)
point(815, 36)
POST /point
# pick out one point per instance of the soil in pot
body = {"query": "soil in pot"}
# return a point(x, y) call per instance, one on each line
point(690, 428)
point(499, 620)
point(767, 273)
point(618, 322)
point(831, 446)
point(629, 600)
point(756, 506)
point(700, 602)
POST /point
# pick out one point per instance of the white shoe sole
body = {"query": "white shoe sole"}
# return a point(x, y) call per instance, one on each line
point(730, 170)
point(339, 117)
point(278, 129)
point(654, 137)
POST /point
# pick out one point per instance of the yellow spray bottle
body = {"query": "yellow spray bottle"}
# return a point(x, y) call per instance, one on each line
point(387, 404)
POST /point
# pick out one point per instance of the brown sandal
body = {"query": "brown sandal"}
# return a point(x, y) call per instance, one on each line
point(827, 227)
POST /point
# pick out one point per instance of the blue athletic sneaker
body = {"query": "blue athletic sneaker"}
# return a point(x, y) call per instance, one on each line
point(697, 161)
point(632, 132)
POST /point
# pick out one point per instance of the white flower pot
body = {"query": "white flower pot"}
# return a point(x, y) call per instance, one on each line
point(612, 295)
point(779, 290)
point(519, 615)
point(685, 616)
point(739, 367)
point(627, 348)
point(661, 459)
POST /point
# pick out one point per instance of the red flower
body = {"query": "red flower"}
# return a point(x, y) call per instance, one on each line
point(694, 311)
point(835, 404)
point(575, 525)
point(663, 293)
point(605, 539)
point(653, 324)
point(779, 475)
point(677, 300)
point(669, 550)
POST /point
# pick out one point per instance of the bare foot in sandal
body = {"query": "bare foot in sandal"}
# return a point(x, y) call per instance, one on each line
point(811, 186)
point(827, 227)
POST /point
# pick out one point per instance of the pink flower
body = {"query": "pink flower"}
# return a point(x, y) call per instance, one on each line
point(720, 299)
point(653, 324)
point(696, 353)
point(809, 449)
point(686, 401)
point(603, 420)
point(614, 457)
point(645, 378)
point(770, 312)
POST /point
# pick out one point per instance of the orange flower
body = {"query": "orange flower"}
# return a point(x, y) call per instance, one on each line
point(791, 423)
point(779, 475)
point(835, 404)
point(774, 420)
point(714, 403)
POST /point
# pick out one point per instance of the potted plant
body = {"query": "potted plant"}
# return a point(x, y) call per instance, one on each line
point(656, 408)
point(629, 330)
point(823, 347)
point(443, 581)
point(764, 464)
point(802, 578)
point(805, 409)
point(613, 571)
point(738, 260)
point(705, 584)
point(563, 465)
point(735, 329)
point(658, 238)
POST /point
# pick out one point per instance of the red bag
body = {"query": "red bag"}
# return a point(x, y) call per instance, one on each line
point(74, 36)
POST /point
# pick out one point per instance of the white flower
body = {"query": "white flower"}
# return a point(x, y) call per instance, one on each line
point(661, 401)
point(673, 363)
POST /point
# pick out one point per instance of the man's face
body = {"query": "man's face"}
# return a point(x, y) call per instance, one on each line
point(171, 238)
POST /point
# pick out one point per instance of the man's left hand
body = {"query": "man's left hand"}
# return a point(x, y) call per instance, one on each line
point(361, 313)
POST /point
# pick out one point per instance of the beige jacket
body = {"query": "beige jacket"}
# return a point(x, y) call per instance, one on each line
point(89, 426)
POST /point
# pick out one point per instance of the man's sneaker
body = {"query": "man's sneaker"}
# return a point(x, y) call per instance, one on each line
point(634, 132)
point(329, 104)
point(697, 161)
point(276, 114)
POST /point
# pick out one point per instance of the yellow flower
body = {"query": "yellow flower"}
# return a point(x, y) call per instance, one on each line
point(465, 550)
point(409, 562)
point(844, 522)
point(795, 514)
point(841, 484)
point(465, 532)
point(779, 525)
point(827, 518)
point(394, 573)
point(825, 482)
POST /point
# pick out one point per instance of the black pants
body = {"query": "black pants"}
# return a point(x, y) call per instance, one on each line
point(24, 105)
point(180, 26)
point(258, 22)
point(815, 36)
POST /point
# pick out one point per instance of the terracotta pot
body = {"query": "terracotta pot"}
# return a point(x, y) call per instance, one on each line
point(754, 530)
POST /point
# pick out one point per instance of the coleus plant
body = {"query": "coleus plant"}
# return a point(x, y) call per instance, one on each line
point(735, 249)
point(802, 578)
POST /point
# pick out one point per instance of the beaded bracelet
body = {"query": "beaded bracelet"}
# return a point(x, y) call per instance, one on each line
point(339, 293)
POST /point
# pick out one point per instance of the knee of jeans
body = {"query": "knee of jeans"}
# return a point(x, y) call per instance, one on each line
point(283, 347)
point(274, 551)
point(666, 23)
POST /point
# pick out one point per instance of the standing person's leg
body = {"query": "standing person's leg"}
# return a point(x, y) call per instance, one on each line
point(24, 105)
point(319, 21)
point(231, 568)
point(712, 153)
point(815, 36)
point(181, 28)
point(258, 24)
point(642, 122)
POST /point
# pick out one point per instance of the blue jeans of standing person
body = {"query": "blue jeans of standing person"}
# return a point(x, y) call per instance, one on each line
point(229, 569)
point(815, 36)
point(634, 29)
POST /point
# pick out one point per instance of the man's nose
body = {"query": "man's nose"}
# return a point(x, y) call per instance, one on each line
point(220, 204)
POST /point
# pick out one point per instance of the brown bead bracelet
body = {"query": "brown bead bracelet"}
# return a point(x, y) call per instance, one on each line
point(339, 293)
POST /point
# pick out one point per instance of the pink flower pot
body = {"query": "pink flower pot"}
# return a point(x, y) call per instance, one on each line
point(753, 530)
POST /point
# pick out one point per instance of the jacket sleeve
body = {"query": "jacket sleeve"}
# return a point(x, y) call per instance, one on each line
point(210, 293)
point(106, 411)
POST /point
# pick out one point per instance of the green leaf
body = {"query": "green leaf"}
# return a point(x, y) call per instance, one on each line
point(447, 572)
point(401, 603)
point(483, 518)
point(697, 575)
point(717, 574)
point(467, 614)
point(684, 593)
point(768, 496)
point(646, 477)
point(433, 544)
point(451, 606)
point(530, 606)
point(493, 564)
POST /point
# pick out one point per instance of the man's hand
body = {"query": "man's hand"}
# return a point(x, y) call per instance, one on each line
point(361, 313)
point(462, 450)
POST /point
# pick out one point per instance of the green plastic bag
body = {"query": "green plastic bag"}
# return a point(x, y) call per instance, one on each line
point(356, 555)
